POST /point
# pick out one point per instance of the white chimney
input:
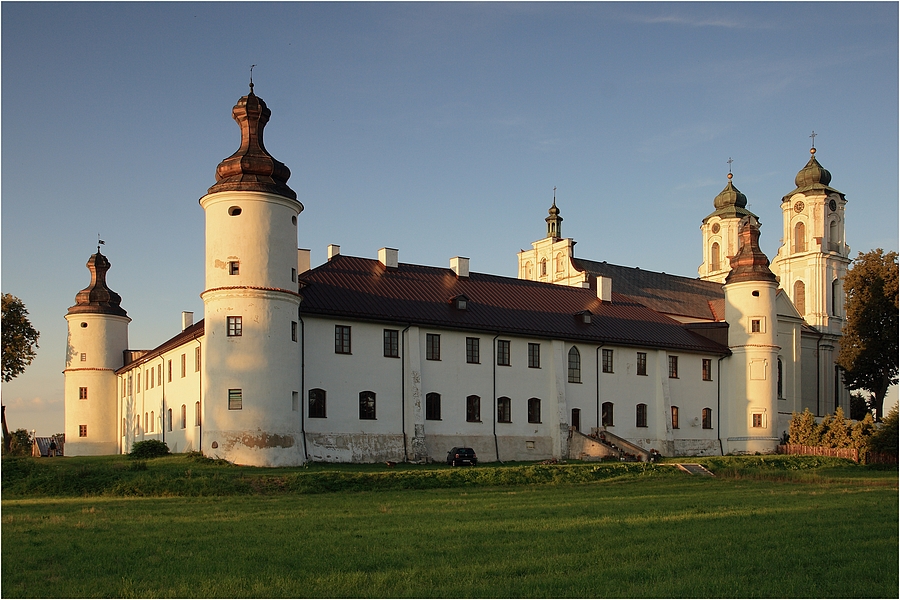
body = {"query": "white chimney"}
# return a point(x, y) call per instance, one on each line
point(187, 319)
point(389, 257)
point(604, 288)
point(302, 261)
point(333, 250)
point(460, 266)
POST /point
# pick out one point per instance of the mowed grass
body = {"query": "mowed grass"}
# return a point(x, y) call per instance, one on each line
point(665, 536)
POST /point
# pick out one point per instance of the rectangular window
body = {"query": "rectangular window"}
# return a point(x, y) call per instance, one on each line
point(83, 356)
point(234, 267)
point(758, 420)
point(673, 367)
point(184, 412)
point(170, 371)
point(82, 431)
point(82, 393)
point(641, 363)
point(473, 350)
point(342, 339)
point(674, 417)
point(641, 415)
point(293, 331)
point(235, 401)
point(150, 380)
point(293, 274)
point(235, 326)
point(504, 410)
point(755, 326)
point(183, 365)
point(707, 369)
point(503, 353)
point(197, 414)
point(159, 372)
point(607, 361)
point(606, 414)
point(534, 410)
point(432, 346)
point(295, 401)
point(138, 383)
point(367, 405)
point(317, 404)
point(473, 409)
point(170, 419)
point(391, 343)
point(123, 390)
point(197, 359)
point(707, 418)
point(433, 406)
point(534, 356)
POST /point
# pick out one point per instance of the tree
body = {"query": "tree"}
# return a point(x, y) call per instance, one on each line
point(869, 348)
point(20, 444)
point(885, 438)
point(803, 429)
point(19, 343)
point(859, 406)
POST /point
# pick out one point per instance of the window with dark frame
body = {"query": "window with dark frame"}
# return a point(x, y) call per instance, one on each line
point(392, 343)
point(432, 346)
point(235, 402)
point(780, 378)
point(82, 393)
point(82, 431)
point(473, 350)
point(674, 417)
point(183, 365)
point(197, 413)
point(574, 365)
point(234, 267)
point(607, 360)
point(534, 356)
point(293, 331)
point(534, 410)
point(433, 406)
point(673, 367)
point(317, 403)
point(235, 326)
point(757, 420)
point(342, 339)
point(473, 409)
point(504, 410)
point(170, 419)
point(707, 369)
point(707, 418)
point(503, 353)
point(367, 405)
point(755, 325)
point(169, 371)
point(184, 413)
point(197, 359)
point(640, 415)
point(641, 363)
point(606, 414)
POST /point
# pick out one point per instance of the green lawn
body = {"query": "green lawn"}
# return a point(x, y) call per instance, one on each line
point(833, 534)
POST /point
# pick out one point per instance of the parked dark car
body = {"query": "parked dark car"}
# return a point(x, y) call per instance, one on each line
point(461, 456)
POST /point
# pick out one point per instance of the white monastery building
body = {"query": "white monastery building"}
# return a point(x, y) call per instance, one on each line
point(364, 360)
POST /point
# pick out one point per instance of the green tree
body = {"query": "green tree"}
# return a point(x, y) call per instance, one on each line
point(833, 431)
point(20, 443)
point(869, 348)
point(803, 430)
point(862, 431)
point(19, 338)
point(859, 406)
point(885, 438)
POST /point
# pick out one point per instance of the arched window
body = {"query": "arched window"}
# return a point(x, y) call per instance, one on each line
point(543, 267)
point(146, 423)
point(833, 240)
point(184, 416)
point(152, 421)
point(606, 414)
point(714, 263)
point(559, 262)
point(574, 365)
point(836, 298)
point(197, 413)
point(504, 411)
point(433, 406)
point(707, 418)
point(528, 270)
point(780, 378)
point(800, 297)
point(640, 415)
point(473, 409)
point(316, 403)
point(674, 417)
point(576, 419)
point(367, 405)
point(800, 237)
point(534, 410)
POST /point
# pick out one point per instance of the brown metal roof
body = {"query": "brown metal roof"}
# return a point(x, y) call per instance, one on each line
point(357, 288)
point(192, 332)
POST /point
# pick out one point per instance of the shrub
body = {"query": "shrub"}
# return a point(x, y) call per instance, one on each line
point(148, 449)
point(885, 438)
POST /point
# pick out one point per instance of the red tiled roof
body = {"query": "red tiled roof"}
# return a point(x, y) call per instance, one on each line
point(357, 288)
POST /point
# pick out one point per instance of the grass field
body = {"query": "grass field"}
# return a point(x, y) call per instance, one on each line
point(786, 528)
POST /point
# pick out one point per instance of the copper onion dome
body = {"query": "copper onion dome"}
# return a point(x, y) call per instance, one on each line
point(750, 263)
point(813, 173)
point(97, 298)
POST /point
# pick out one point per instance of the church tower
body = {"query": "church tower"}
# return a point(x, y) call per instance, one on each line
point(720, 231)
point(251, 376)
point(551, 258)
point(97, 340)
point(750, 415)
point(811, 266)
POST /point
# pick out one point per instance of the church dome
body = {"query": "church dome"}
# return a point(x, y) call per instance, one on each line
point(97, 298)
point(730, 196)
point(813, 173)
point(750, 263)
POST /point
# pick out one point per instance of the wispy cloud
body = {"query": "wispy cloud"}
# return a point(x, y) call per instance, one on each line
point(36, 402)
point(699, 21)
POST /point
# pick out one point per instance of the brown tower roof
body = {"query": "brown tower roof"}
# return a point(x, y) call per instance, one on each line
point(97, 298)
point(750, 263)
point(252, 168)
point(812, 178)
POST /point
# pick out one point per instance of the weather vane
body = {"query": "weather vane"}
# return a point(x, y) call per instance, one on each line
point(251, 77)
point(99, 243)
point(554, 195)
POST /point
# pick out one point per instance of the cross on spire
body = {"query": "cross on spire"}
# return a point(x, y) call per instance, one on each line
point(729, 161)
point(813, 136)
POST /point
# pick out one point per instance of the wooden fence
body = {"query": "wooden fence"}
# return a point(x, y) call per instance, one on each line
point(851, 453)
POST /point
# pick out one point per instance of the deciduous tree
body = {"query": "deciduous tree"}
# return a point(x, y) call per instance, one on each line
point(19, 340)
point(869, 348)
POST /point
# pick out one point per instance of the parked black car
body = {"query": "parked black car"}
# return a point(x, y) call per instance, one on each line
point(461, 456)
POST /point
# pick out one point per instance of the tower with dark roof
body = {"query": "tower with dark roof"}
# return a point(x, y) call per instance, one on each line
point(251, 380)
point(720, 231)
point(97, 340)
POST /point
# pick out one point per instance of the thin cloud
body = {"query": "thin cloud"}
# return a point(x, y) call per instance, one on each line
point(720, 22)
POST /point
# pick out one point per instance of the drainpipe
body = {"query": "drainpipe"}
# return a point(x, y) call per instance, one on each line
point(494, 403)
point(719, 403)
point(403, 390)
point(162, 414)
point(819, 375)
point(598, 385)
point(200, 396)
point(302, 398)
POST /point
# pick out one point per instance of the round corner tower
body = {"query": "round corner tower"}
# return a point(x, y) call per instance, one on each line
point(750, 416)
point(251, 372)
point(95, 346)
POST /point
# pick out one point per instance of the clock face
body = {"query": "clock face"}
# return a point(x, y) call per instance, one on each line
point(715, 228)
point(832, 205)
point(798, 206)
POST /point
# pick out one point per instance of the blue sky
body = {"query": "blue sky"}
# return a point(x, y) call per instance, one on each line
point(439, 129)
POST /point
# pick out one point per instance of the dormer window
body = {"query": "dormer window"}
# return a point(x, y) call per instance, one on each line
point(460, 302)
point(585, 317)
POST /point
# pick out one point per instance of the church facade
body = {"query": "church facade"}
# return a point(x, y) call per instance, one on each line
point(364, 360)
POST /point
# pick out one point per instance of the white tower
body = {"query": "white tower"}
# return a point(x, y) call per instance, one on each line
point(251, 371)
point(811, 266)
point(551, 258)
point(97, 340)
point(720, 230)
point(750, 414)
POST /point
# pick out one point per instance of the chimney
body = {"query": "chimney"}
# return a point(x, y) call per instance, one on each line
point(302, 261)
point(604, 289)
point(187, 319)
point(388, 257)
point(333, 250)
point(460, 266)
